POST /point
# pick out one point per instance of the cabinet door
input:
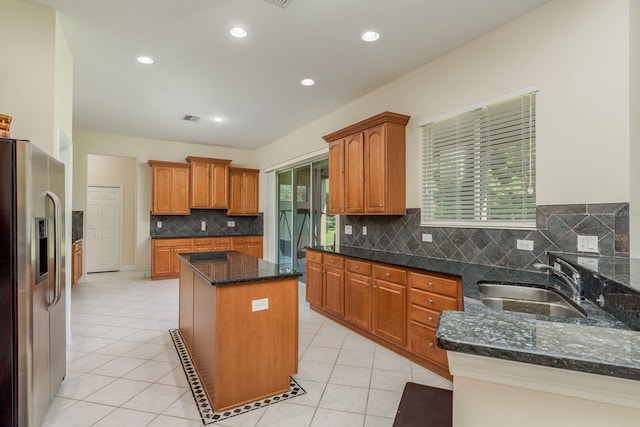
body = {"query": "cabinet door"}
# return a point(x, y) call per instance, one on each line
point(162, 189)
point(376, 170)
point(219, 186)
point(314, 284)
point(336, 177)
point(200, 185)
point(235, 192)
point(358, 300)
point(250, 190)
point(390, 311)
point(334, 291)
point(179, 249)
point(162, 260)
point(354, 174)
point(180, 191)
point(243, 191)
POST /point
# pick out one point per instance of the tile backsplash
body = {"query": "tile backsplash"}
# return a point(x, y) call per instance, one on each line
point(216, 219)
point(557, 229)
point(76, 225)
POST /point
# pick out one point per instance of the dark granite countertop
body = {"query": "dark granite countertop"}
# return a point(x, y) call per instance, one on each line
point(231, 267)
point(599, 344)
point(202, 236)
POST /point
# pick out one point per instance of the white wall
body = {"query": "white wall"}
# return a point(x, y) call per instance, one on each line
point(577, 51)
point(142, 149)
point(634, 117)
point(63, 88)
point(27, 70)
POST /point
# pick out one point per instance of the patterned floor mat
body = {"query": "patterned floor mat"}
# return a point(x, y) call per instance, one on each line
point(208, 414)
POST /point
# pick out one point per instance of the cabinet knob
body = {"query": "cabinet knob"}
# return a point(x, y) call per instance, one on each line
point(367, 284)
point(430, 344)
point(357, 267)
point(430, 301)
point(380, 205)
point(374, 286)
point(388, 274)
point(430, 285)
point(430, 319)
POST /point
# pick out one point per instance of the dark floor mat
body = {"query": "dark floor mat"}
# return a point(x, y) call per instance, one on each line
point(424, 406)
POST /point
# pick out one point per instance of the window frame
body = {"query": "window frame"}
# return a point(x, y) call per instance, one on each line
point(478, 223)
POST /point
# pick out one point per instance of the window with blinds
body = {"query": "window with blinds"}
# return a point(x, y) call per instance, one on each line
point(479, 168)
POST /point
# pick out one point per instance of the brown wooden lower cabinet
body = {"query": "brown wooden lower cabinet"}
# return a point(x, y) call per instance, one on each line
point(394, 306)
point(76, 262)
point(165, 264)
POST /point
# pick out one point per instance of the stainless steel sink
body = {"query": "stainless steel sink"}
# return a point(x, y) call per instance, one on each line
point(528, 299)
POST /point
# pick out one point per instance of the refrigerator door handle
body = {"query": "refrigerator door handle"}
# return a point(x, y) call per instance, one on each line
point(56, 248)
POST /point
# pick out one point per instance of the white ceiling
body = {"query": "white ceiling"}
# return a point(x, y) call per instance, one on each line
point(253, 82)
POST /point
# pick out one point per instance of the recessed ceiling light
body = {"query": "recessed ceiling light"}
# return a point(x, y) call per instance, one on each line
point(307, 82)
point(144, 60)
point(238, 32)
point(370, 36)
point(218, 119)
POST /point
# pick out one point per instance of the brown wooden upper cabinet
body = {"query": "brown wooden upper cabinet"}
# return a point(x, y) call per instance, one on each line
point(243, 191)
point(367, 172)
point(209, 182)
point(170, 195)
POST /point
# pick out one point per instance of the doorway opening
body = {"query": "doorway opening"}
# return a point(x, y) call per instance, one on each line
point(303, 219)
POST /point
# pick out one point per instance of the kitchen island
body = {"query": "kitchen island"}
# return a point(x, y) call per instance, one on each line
point(239, 323)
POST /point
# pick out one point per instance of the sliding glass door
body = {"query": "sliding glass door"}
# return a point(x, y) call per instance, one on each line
point(302, 212)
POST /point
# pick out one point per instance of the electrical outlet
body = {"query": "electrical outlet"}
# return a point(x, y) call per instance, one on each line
point(364, 230)
point(348, 229)
point(426, 237)
point(260, 304)
point(587, 243)
point(231, 223)
point(203, 226)
point(159, 224)
point(525, 245)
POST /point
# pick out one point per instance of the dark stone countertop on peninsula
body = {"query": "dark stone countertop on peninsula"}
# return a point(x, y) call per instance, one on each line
point(599, 344)
point(231, 267)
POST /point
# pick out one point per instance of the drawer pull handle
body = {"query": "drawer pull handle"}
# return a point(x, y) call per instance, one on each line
point(388, 274)
point(430, 285)
point(430, 301)
point(430, 344)
point(430, 319)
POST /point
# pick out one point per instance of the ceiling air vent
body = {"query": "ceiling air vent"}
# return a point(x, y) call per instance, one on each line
point(282, 3)
point(189, 118)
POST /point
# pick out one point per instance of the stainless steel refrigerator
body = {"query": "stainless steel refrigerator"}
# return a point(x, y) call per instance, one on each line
point(32, 283)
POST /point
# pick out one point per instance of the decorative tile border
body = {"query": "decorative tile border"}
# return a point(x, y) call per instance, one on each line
point(207, 413)
point(557, 229)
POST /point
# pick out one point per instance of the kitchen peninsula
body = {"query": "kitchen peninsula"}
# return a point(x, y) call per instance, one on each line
point(239, 322)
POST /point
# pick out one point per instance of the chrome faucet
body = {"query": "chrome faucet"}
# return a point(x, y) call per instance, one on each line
point(574, 281)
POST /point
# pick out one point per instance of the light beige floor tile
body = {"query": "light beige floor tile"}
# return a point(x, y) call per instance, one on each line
point(351, 376)
point(389, 380)
point(59, 404)
point(185, 407)
point(248, 419)
point(357, 342)
point(321, 354)
point(118, 348)
point(331, 418)
point(314, 371)
point(118, 366)
point(89, 362)
point(383, 403)
point(331, 341)
point(89, 344)
point(150, 371)
point(168, 355)
point(118, 392)
point(305, 338)
point(313, 393)
point(332, 328)
point(371, 421)
point(167, 421)
point(391, 362)
point(119, 333)
point(82, 414)
point(344, 398)
point(125, 417)
point(83, 386)
point(146, 351)
point(286, 415)
point(155, 398)
point(73, 355)
point(357, 358)
point(175, 377)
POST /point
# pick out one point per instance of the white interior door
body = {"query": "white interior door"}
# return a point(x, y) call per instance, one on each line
point(104, 228)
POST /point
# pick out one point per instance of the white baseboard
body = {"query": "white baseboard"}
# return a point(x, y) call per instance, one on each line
point(128, 268)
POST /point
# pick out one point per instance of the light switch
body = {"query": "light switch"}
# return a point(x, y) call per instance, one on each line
point(231, 223)
point(348, 229)
point(427, 237)
point(203, 226)
point(159, 224)
point(524, 245)
point(364, 230)
point(587, 243)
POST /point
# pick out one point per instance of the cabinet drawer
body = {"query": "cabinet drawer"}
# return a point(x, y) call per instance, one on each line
point(333, 261)
point(314, 257)
point(439, 285)
point(202, 242)
point(221, 240)
point(432, 301)
point(160, 243)
point(389, 274)
point(359, 267)
point(424, 315)
point(247, 239)
point(423, 343)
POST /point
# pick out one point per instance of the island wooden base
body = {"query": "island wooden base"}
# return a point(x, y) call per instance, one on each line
point(241, 355)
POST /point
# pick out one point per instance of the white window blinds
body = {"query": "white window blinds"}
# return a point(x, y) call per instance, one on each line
point(478, 167)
